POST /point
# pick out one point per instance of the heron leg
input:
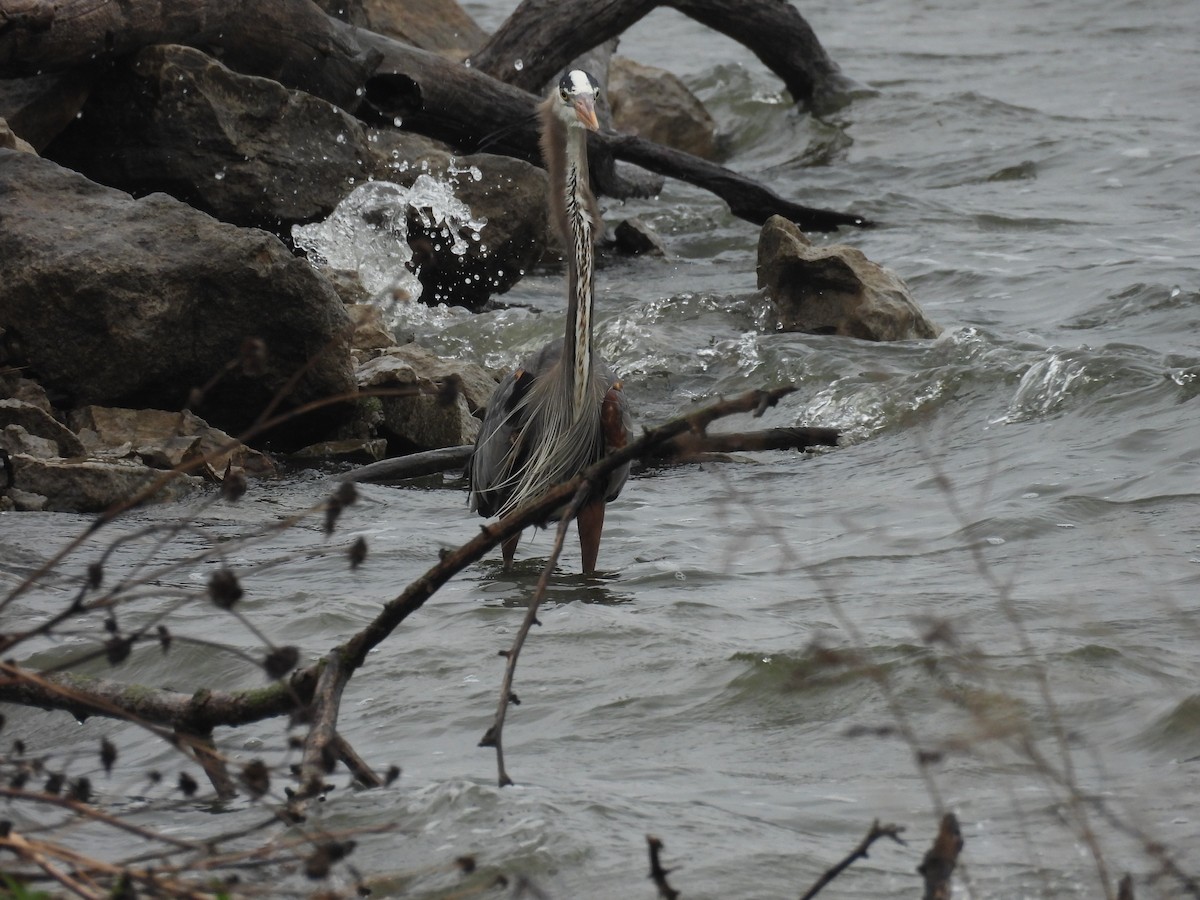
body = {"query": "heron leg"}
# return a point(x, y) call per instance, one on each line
point(590, 523)
point(509, 548)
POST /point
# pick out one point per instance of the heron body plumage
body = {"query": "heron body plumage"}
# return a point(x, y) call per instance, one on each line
point(563, 408)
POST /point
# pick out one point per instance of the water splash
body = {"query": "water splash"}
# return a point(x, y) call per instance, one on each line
point(367, 234)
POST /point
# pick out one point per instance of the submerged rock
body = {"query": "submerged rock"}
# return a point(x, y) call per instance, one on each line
point(834, 289)
point(139, 303)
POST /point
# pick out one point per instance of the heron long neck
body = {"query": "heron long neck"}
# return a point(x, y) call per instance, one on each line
point(580, 236)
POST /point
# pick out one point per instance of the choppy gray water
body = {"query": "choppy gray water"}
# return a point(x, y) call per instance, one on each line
point(1036, 171)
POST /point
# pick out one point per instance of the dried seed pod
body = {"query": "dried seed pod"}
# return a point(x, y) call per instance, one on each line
point(187, 784)
point(280, 661)
point(224, 589)
point(108, 755)
point(256, 778)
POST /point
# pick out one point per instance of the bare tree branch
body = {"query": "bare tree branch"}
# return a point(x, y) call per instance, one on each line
point(495, 734)
point(543, 36)
point(876, 832)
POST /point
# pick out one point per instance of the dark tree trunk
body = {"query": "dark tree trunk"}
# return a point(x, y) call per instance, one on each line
point(468, 109)
point(545, 35)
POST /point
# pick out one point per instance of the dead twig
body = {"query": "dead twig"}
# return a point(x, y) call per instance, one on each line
point(657, 873)
point(494, 735)
point(876, 832)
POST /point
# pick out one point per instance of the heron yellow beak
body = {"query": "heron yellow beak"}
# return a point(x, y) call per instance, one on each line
point(585, 109)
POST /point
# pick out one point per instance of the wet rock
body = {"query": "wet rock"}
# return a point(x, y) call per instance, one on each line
point(508, 193)
point(441, 26)
point(635, 237)
point(834, 289)
point(441, 414)
point(10, 141)
point(89, 486)
point(22, 501)
point(351, 450)
point(40, 107)
point(162, 439)
point(15, 439)
point(251, 152)
point(658, 106)
point(370, 331)
point(414, 364)
point(37, 422)
point(137, 303)
point(244, 149)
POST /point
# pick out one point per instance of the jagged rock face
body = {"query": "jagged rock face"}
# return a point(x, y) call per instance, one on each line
point(245, 149)
point(122, 302)
point(251, 152)
point(834, 289)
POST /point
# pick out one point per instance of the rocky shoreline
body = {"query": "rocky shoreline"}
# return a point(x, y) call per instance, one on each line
point(157, 313)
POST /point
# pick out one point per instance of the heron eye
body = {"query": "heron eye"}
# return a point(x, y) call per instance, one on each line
point(566, 96)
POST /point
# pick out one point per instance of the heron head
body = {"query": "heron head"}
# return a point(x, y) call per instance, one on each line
point(577, 95)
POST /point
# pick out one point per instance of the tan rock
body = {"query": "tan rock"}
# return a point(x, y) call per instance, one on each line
point(162, 439)
point(834, 289)
point(655, 104)
point(90, 486)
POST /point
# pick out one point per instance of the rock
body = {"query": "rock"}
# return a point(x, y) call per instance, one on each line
point(834, 289)
point(10, 141)
point(508, 193)
point(15, 439)
point(23, 501)
point(635, 237)
point(414, 364)
point(90, 486)
point(430, 422)
point(251, 152)
point(351, 450)
point(442, 416)
point(137, 303)
point(34, 420)
point(441, 26)
point(370, 332)
point(244, 149)
point(658, 106)
point(163, 439)
point(40, 107)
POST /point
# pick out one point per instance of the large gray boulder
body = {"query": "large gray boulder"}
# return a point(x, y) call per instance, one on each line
point(834, 289)
point(251, 152)
point(138, 303)
point(245, 149)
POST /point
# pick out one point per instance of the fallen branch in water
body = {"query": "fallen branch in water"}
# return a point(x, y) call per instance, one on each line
point(682, 448)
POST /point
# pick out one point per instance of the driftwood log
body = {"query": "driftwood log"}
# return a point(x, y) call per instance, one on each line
point(545, 35)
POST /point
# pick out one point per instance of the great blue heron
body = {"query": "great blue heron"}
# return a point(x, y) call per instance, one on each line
point(563, 408)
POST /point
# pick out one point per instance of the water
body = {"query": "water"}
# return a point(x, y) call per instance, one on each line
point(1007, 547)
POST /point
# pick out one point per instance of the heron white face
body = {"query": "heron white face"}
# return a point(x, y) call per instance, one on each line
point(578, 92)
